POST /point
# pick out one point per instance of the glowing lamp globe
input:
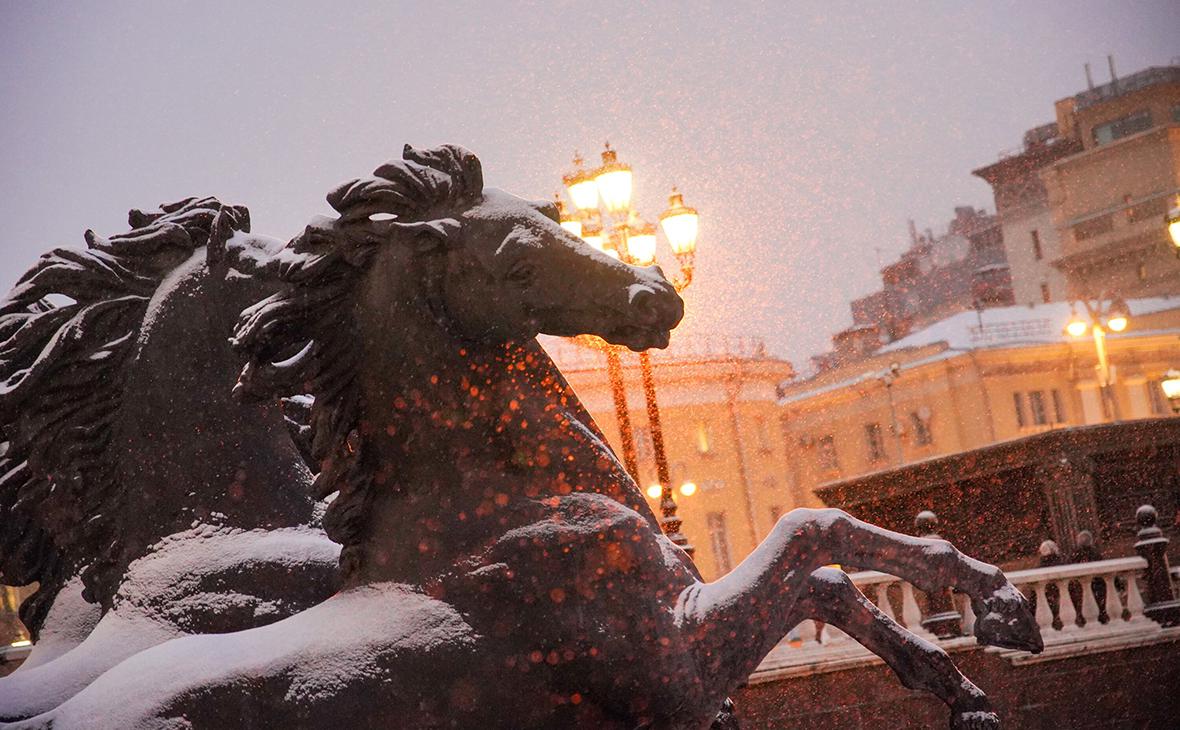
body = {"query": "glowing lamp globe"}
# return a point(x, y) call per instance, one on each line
point(1171, 387)
point(688, 489)
point(581, 186)
point(641, 244)
point(1118, 316)
point(1076, 327)
point(680, 224)
point(1174, 228)
point(614, 182)
point(592, 235)
point(654, 491)
point(568, 221)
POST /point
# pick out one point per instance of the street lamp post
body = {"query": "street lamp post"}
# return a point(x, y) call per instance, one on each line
point(606, 220)
point(1099, 319)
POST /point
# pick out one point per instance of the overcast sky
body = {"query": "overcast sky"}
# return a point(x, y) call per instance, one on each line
point(805, 134)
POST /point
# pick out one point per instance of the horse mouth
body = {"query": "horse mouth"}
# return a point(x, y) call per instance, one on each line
point(637, 338)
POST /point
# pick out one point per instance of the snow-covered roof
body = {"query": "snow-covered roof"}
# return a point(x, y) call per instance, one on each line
point(1038, 324)
point(1002, 327)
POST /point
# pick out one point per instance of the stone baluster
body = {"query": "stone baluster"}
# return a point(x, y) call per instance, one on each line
point(1068, 614)
point(967, 613)
point(1135, 606)
point(1044, 613)
point(1089, 605)
point(883, 601)
point(1162, 606)
point(942, 620)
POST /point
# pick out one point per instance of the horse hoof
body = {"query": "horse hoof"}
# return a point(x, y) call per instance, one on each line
point(975, 720)
point(1005, 619)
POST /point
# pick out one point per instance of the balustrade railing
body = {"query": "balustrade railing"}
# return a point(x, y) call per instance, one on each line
point(1079, 606)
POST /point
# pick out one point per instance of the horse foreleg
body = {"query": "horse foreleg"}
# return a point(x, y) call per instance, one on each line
point(833, 599)
point(735, 621)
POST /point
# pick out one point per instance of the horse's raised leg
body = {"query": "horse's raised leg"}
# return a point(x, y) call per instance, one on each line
point(735, 621)
point(832, 598)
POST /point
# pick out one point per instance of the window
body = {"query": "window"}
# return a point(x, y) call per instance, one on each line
point(874, 442)
point(1036, 404)
point(1038, 254)
point(1124, 127)
point(644, 448)
point(1018, 404)
point(825, 453)
point(1155, 396)
point(921, 429)
point(1045, 293)
point(762, 435)
point(704, 438)
point(1058, 407)
point(719, 540)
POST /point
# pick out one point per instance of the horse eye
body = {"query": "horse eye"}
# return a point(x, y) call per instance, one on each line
point(522, 274)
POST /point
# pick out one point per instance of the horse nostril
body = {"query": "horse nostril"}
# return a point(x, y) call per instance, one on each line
point(643, 303)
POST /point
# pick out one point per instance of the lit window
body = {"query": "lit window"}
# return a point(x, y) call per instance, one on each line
point(1058, 407)
point(874, 442)
point(921, 428)
point(1155, 395)
point(825, 453)
point(719, 540)
point(1124, 127)
point(704, 438)
point(1036, 404)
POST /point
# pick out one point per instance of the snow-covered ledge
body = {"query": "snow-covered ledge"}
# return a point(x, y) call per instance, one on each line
point(1067, 629)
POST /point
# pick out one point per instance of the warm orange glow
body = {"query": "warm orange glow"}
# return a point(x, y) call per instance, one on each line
point(592, 235)
point(1171, 385)
point(654, 491)
point(680, 224)
point(614, 182)
point(581, 186)
point(1117, 324)
point(1174, 226)
point(688, 489)
point(641, 244)
point(1076, 327)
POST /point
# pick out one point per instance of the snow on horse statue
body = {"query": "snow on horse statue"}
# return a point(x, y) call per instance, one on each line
point(499, 567)
point(128, 461)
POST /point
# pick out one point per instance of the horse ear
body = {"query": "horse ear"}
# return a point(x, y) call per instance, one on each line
point(431, 235)
point(547, 208)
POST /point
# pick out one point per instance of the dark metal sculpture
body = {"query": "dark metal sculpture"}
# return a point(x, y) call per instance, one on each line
point(499, 566)
point(129, 464)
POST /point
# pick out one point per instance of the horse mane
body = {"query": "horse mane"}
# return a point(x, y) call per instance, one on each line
point(62, 374)
point(303, 338)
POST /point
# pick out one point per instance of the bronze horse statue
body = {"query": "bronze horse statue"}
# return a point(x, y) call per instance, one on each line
point(499, 567)
point(129, 464)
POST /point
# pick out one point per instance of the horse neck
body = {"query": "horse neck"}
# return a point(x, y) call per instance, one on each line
point(461, 431)
point(189, 452)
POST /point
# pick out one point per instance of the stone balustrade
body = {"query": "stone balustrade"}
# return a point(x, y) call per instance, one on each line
point(1081, 608)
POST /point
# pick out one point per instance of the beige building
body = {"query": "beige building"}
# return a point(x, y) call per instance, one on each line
point(1082, 203)
point(719, 409)
point(971, 380)
point(1030, 237)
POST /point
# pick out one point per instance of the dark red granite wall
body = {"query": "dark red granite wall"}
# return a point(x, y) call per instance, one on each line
point(1130, 688)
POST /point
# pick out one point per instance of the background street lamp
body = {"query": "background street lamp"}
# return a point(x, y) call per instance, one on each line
point(605, 219)
point(1173, 223)
point(1171, 388)
point(1098, 320)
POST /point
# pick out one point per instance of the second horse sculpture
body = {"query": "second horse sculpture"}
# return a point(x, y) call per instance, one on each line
point(499, 567)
